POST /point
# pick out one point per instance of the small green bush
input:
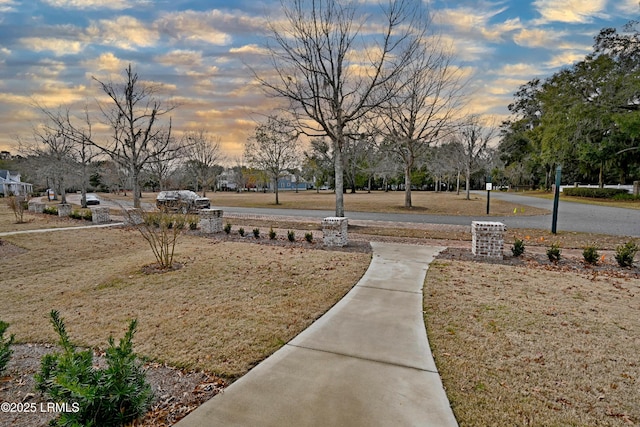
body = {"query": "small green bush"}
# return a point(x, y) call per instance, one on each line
point(590, 254)
point(518, 247)
point(88, 215)
point(256, 233)
point(308, 237)
point(5, 346)
point(595, 193)
point(227, 228)
point(626, 196)
point(50, 210)
point(113, 396)
point(554, 252)
point(241, 231)
point(193, 225)
point(626, 253)
point(272, 234)
point(291, 235)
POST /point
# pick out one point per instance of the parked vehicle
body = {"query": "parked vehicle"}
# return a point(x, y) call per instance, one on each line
point(92, 199)
point(183, 201)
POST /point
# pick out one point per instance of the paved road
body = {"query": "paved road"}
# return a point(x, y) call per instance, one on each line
point(571, 216)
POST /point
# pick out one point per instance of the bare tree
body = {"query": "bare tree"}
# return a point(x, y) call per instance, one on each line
point(425, 107)
point(274, 149)
point(133, 115)
point(330, 72)
point(77, 132)
point(165, 160)
point(53, 151)
point(203, 154)
point(474, 137)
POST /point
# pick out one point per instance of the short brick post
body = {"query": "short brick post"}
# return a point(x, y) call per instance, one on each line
point(210, 220)
point(64, 209)
point(133, 216)
point(100, 215)
point(334, 231)
point(487, 239)
point(36, 207)
point(636, 188)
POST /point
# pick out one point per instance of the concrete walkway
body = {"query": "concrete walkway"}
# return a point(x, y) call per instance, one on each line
point(366, 362)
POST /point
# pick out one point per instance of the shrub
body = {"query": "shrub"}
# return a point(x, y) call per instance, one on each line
point(5, 346)
point(18, 205)
point(161, 230)
point(308, 237)
point(518, 247)
point(256, 233)
point(50, 210)
point(590, 254)
point(227, 228)
point(88, 215)
point(626, 253)
point(112, 396)
point(595, 193)
point(193, 224)
point(554, 252)
point(241, 231)
point(272, 234)
point(291, 235)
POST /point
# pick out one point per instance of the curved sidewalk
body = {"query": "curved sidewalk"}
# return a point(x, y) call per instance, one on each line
point(366, 362)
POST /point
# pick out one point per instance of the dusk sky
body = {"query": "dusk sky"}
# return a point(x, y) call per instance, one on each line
point(197, 51)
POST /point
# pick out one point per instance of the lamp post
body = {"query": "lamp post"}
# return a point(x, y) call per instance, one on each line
point(556, 200)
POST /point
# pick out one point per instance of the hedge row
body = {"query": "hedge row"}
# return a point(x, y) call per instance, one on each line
point(595, 193)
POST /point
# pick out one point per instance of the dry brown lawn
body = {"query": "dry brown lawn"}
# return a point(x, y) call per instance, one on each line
point(32, 221)
point(227, 308)
point(424, 202)
point(532, 346)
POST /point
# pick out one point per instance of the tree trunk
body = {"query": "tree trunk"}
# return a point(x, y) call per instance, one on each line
point(601, 175)
point(276, 191)
point(339, 179)
point(135, 189)
point(468, 182)
point(458, 184)
point(407, 187)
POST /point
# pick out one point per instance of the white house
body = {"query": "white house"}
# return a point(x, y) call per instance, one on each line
point(10, 184)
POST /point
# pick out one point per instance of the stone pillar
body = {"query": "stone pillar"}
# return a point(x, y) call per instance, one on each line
point(487, 239)
point(133, 216)
point(36, 207)
point(100, 215)
point(64, 209)
point(636, 188)
point(210, 220)
point(334, 231)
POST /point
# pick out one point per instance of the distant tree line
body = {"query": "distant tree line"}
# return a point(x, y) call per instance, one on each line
point(585, 117)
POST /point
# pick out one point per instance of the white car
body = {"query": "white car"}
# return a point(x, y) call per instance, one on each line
point(92, 199)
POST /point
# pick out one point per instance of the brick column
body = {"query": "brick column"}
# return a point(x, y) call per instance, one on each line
point(334, 231)
point(210, 220)
point(133, 216)
point(37, 207)
point(487, 239)
point(64, 209)
point(100, 215)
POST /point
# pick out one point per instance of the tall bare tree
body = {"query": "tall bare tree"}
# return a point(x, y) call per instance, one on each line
point(424, 109)
point(333, 63)
point(134, 113)
point(77, 131)
point(203, 154)
point(165, 161)
point(274, 149)
point(474, 137)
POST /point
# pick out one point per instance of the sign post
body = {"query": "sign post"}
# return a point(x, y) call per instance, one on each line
point(489, 186)
point(556, 200)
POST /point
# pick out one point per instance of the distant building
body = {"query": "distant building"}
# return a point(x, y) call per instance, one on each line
point(10, 183)
point(5, 155)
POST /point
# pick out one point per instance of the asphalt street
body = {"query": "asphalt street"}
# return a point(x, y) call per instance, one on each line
point(571, 216)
